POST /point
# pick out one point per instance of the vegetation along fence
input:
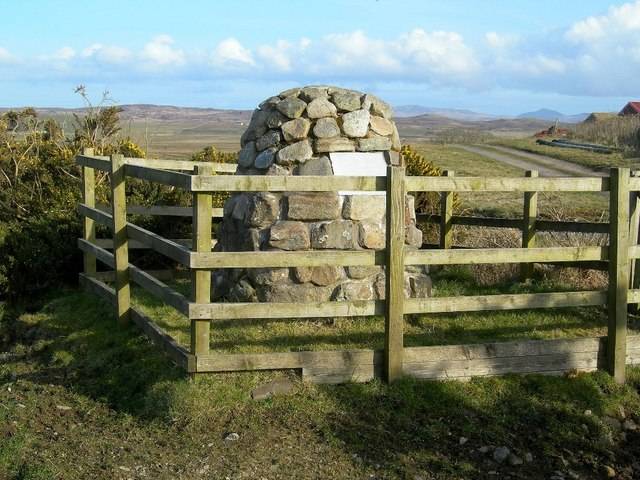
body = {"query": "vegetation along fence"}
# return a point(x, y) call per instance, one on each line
point(549, 356)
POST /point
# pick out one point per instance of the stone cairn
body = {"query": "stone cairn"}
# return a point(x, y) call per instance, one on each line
point(292, 134)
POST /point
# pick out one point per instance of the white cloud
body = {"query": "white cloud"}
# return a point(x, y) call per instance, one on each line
point(5, 56)
point(160, 52)
point(230, 52)
point(499, 41)
point(619, 20)
point(441, 52)
point(63, 54)
point(107, 53)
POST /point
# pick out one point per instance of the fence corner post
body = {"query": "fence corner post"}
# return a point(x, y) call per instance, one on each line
point(88, 224)
point(394, 285)
point(618, 273)
point(120, 243)
point(446, 214)
point(201, 279)
point(530, 213)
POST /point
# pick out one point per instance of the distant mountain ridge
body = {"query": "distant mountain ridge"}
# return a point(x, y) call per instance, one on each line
point(553, 115)
point(452, 113)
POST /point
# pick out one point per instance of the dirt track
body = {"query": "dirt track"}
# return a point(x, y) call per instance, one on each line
point(546, 166)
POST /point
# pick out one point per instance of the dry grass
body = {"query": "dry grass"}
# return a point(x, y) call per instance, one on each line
point(619, 132)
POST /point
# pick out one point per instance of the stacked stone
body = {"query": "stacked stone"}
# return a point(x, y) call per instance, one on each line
point(292, 134)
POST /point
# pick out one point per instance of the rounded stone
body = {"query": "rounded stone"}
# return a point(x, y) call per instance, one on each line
point(326, 128)
point(296, 152)
point(356, 123)
point(311, 93)
point(292, 107)
point(347, 101)
point(296, 129)
point(265, 158)
point(320, 108)
point(269, 139)
point(247, 155)
point(381, 125)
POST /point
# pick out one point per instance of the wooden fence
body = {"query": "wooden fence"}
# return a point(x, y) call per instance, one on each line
point(612, 352)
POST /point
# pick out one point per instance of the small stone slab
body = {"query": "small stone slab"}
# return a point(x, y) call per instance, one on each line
point(275, 119)
point(292, 107)
point(347, 101)
point(309, 94)
point(356, 124)
point(354, 290)
point(374, 144)
point(320, 166)
point(296, 152)
point(322, 276)
point(338, 234)
point(326, 128)
point(288, 235)
point(372, 235)
point(365, 207)
point(280, 386)
point(336, 144)
point(262, 209)
point(320, 108)
point(358, 272)
point(413, 236)
point(294, 293)
point(381, 125)
point(314, 206)
point(377, 106)
point(296, 129)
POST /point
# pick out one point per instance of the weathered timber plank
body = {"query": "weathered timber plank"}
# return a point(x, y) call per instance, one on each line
point(159, 289)
point(230, 362)
point(516, 223)
point(100, 253)
point(166, 177)
point(96, 162)
point(505, 184)
point(109, 276)
point(529, 217)
point(168, 211)
point(318, 258)
point(504, 302)
point(88, 224)
point(443, 369)
point(274, 183)
point(160, 244)
point(394, 274)
point(634, 184)
point(504, 255)
point(120, 244)
point(446, 214)
point(95, 214)
point(521, 348)
point(349, 374)
point(107, 243)
point(180, 164)
point(239, 311)
point(618, 273)
point(201, 279)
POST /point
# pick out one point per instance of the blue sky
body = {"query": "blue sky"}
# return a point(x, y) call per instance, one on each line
point(493, 56)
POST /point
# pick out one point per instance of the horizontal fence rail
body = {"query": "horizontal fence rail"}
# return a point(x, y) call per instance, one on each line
point(461, 361)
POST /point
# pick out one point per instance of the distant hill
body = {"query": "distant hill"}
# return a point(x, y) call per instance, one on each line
point(553, 115)
point(453, 113)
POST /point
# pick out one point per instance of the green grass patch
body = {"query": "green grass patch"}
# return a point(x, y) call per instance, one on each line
point(81, 397)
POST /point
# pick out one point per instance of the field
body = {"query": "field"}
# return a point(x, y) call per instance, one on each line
point(81, 398)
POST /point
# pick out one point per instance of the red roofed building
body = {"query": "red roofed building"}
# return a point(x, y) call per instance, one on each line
point(631, 108)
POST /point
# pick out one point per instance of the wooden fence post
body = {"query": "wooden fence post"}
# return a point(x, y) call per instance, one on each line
point(88, 224)
point(120, 243)
point(201, 279)
point(634, 238)
point(618, 273)
point(394, 287)
point(446, 212)
point(529, 225)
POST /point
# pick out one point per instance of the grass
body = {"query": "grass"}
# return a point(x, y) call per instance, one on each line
point(82, 398)
point(593, 160)
point(570, 205)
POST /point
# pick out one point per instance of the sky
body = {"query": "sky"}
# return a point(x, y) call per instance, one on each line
point(493, 56)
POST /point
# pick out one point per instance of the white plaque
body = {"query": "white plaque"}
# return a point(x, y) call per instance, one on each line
point(359, 164)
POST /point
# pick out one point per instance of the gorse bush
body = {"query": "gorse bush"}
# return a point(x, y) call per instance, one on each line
point(417, 165)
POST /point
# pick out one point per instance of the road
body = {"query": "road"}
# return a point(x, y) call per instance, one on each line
point(546, 166)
